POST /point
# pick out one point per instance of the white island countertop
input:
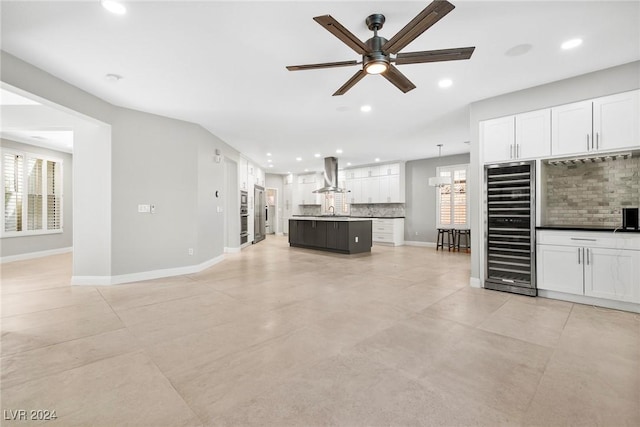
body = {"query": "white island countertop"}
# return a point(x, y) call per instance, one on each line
point(329, 218)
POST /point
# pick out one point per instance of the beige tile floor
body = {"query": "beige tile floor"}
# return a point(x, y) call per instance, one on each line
point(275, 336)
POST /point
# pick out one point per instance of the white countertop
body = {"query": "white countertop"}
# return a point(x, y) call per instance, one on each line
point(329, 218)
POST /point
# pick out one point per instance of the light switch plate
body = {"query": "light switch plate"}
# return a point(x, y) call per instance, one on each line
point(144, 208)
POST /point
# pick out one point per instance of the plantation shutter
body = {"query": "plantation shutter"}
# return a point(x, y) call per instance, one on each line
point(459, 197)
point(32, 187)
point(34, 194)
point(452, 200)
point(54, 199)
point(12, 167)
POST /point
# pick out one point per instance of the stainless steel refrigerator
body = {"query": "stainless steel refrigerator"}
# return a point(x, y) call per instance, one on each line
point(259, 213)
point(510, 236)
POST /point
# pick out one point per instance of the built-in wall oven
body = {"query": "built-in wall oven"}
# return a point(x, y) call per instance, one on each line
point(510, 237)
point(244, 216)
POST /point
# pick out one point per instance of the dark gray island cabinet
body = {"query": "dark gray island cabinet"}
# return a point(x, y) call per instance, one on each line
point(335, 234)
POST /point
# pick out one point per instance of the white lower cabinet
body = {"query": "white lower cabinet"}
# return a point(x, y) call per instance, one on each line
point(598, 265)
point(559, 269)
point(388, 230)
point(612, 274)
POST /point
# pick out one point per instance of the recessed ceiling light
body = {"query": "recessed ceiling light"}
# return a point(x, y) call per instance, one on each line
point(445, 83)
point(377, 159)
point(317, 155)
point(348, 163)
point(570, 44)
point(306, 170)
point(365, 108)
point(518, 50)
point(269, 160)
point(270, 166)
point(113, 77)
point(268, 154)
point(338, 151)
point(114, 7)
point(298, 159)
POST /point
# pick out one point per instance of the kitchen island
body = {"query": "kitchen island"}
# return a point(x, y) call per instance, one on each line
point(345, 235)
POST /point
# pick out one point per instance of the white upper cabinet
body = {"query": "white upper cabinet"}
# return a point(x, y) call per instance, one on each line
point(533, 134)
point(376, 184)
point(616, 121)
point(571, 130)
point(599, 125)
point(243, 173)
point(521, 136)
point(498, 139)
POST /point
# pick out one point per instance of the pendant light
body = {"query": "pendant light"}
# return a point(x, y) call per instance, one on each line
point(439, 181)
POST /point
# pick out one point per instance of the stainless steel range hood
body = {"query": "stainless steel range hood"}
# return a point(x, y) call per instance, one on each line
point(330, 177)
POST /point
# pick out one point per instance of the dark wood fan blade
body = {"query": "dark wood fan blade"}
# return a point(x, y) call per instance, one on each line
point(351, 82)
point(347, 37)
point(323, 65)
point(398, 79)
point(418, 25)
point(434, 55)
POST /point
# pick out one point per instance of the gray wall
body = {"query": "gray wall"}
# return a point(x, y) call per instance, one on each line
point(24, 244)
point(421, 198)
point(600, 83)
point(154, 159)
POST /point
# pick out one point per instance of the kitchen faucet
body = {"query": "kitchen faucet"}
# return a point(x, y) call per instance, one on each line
point(332, 210)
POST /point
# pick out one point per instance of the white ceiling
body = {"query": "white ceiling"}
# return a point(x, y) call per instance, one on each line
point(27, 120)
point(222, 64)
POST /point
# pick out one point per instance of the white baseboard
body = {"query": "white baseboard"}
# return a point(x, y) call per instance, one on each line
point(144, 275)
point(280, 234)
point(232, 250)
point(583, 299)
point(475, 282)
point(32, 255)
point(423, 244)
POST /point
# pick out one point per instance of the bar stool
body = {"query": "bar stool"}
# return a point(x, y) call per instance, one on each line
point(466, 233)
point(449, 233)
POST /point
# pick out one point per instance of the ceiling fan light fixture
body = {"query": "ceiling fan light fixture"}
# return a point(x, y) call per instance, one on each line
point(376, 67)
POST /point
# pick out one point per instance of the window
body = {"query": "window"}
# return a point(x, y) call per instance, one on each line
point(452, 203)
point(32, 186)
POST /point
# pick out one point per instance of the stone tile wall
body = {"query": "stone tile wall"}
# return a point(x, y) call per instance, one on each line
point(592, 194)
point(378, 210)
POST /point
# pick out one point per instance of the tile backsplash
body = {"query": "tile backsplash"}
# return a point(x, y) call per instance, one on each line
point(591, 194)
point(378, 210)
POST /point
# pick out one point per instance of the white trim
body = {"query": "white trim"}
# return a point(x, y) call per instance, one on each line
point(144, 275)
point(475, 282)
point(280, 234)
point(32, 255)
point(583, 299)
point(423, 244)
point(228, 250)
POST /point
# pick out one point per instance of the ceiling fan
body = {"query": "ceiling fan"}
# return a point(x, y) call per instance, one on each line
point(377, 51)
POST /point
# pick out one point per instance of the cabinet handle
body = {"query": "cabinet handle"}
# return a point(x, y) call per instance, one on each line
point(517, 151)
point(583, 239)
point(511, 151)
point(588, 262)
point(597, 140)
point(579, 250)
point(587, 142)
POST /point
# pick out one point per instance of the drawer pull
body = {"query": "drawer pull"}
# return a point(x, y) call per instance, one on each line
point(582, 239)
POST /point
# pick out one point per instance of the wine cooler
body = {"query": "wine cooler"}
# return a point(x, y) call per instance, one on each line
point(510, 237)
